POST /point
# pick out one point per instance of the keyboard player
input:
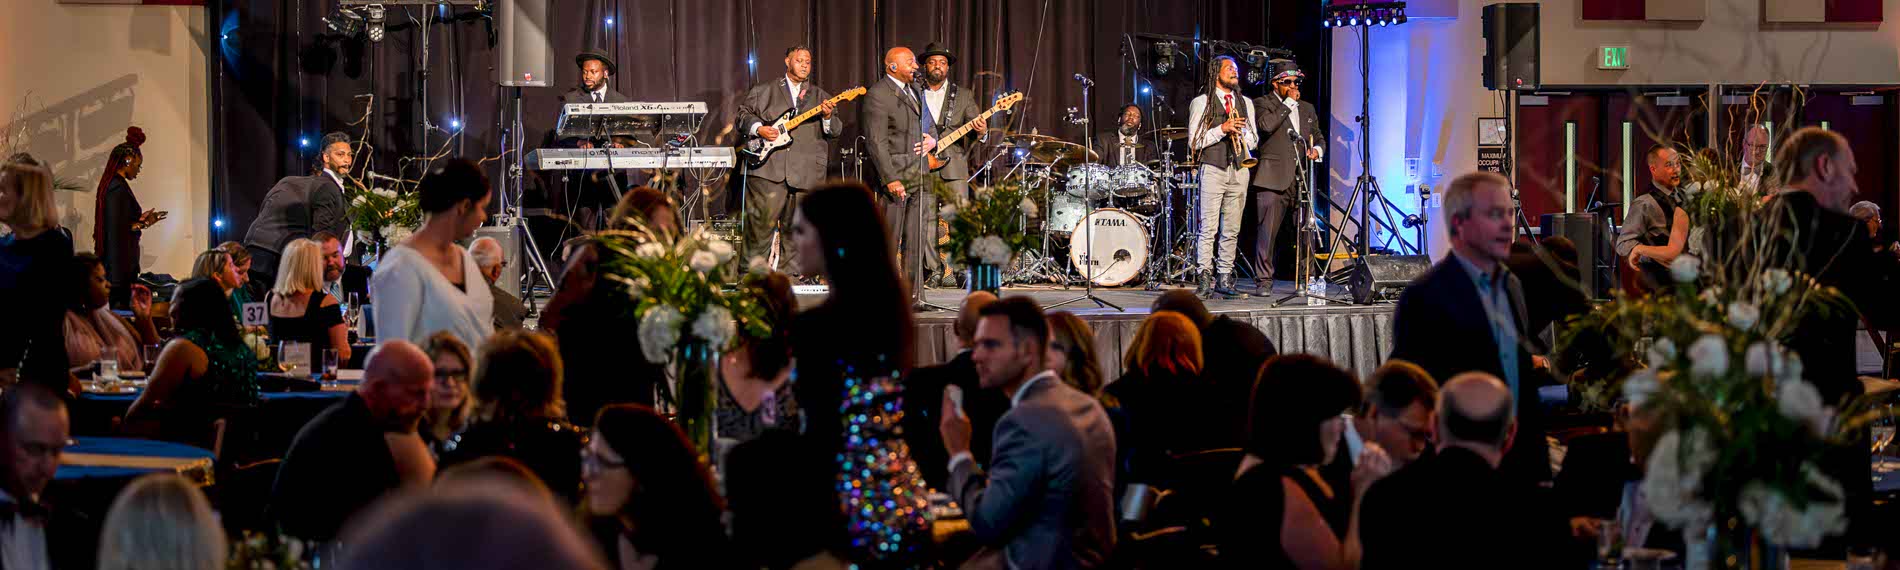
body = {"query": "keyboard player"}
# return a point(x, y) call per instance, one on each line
point(584, 197)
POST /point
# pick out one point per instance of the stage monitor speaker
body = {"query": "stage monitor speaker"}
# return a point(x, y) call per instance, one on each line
point(1592, 243)
point(526, 55)
point(510, 279)
point(1510, 46)
point(1382, 277)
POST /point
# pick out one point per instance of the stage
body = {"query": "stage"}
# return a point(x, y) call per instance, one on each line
point(1358, 337)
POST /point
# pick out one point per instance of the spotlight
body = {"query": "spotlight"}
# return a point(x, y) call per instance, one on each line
point(217, 223)
point(1144, 89)
point(749, 60)
point(304, 142)
point(376, 18)
point(1325, 22)
point(1401, 17)
point(455, 123)
point(1164, 58)
point(1256, 67)
point(610, 21)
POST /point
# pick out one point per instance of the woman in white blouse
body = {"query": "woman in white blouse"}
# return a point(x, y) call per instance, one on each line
point(428, 283)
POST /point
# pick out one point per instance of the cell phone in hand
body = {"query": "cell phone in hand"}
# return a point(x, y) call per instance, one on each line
point(955, 394)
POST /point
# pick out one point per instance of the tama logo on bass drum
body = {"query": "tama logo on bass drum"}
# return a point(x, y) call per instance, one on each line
point(1111, 222)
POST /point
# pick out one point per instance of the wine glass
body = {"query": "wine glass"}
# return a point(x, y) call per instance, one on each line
point(1883, 429)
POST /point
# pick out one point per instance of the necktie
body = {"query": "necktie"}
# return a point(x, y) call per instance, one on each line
point(1230, 103)
point(597, 97)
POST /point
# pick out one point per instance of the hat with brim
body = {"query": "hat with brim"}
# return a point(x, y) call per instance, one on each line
point(600, 56)
point(1288, 69)
point(934, 49)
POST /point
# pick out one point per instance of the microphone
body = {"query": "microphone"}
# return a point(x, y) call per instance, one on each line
point(374, 176)
point(1085, 80)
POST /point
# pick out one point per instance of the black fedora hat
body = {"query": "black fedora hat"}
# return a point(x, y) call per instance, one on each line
point(599, 55)
point(934, 49)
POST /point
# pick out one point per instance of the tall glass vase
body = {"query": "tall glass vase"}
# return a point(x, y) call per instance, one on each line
point(984, 277)
point(1732, 545)
point(695, 369)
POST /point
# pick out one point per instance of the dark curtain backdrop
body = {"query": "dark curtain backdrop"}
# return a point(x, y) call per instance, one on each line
point(281, 79)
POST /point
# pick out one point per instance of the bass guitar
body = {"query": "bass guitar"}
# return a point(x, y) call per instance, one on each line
point(1003, 104)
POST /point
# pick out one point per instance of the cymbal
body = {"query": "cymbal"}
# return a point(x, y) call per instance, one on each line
point(1170, 133)
point(1026, 139)
point(1051, 151)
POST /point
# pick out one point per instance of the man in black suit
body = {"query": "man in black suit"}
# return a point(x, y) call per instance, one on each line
point(300, 206)
point(924, 394)
point(595, 193)
point(1467, 313)
point(772, 189)
point(1122, 142)
point(898, 136)
point(949, 107)
point(1457, 509)
point(34, 427)
point(1289, 132)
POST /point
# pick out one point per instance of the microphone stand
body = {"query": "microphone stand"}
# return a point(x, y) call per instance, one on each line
point(1309, 228)
point(1088, 226)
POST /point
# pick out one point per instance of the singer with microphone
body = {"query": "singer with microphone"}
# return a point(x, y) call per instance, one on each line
point(772, 188)
point(1223, 135)
point(301, 206)
point(1289, 132)
point(898, 137)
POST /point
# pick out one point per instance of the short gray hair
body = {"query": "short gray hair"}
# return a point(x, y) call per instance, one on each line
point(1458, 199)
point(1863, 210)
point(487, 252)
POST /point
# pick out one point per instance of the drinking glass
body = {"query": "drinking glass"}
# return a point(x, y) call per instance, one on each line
point(150, 352)
point(1609, 534)
point(293, 357)
point(108, 378)
point(329, 366)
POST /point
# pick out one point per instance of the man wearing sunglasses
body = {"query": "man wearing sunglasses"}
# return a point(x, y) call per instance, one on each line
point(1289, 132)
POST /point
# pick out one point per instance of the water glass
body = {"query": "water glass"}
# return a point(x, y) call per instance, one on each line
point(294, 357)
point(150, 352)
point(329, 365)
point(108, 377)
point(1609, 537)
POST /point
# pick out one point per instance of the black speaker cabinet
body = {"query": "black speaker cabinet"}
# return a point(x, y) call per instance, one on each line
point(1382, 277)
point(1595, 255)
point(1510, 46)
point(525, 56)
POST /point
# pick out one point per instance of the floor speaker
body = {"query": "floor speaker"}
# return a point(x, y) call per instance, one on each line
point(526, 57)
point(1510, 46)
point(1593, 248)
point(1382, 277)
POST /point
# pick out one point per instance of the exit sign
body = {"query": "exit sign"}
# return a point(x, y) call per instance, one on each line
point(1614, 57)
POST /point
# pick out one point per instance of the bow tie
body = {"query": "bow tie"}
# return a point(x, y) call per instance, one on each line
point(35, 512)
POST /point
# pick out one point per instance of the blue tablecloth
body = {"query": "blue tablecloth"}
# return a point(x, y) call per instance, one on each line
point(128, 398)
point(126, 447)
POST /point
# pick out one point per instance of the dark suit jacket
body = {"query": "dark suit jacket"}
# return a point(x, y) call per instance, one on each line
point(801, 165)
point(1048, 499)
point(1108, 144)
point(1452, 510)
point(923, 409)
point(1279, 157)
point(959, 106)
point(337, 465)
point(1834, 248)
point(1441, 327)
point(891, 123)
point(297, 207)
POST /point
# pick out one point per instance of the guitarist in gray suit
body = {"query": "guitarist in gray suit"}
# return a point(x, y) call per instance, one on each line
point(773, 187)
point(950, 106)
point(1289, 131)
point(898, 138)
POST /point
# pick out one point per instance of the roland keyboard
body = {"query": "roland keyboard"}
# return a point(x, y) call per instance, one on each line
point(624, 158)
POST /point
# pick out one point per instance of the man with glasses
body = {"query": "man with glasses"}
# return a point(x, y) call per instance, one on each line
point(1647, 241)
point(35, 432)
point(1754, 159)
point(1289, 130)
point(490, 259)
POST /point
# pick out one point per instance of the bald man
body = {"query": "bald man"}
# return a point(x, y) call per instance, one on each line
point(1455, 509)
point(923, 400)
point(490, 260)
point(358, 449)
point(893, 124)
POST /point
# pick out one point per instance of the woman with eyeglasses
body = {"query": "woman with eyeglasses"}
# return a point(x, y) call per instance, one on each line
point(449, 404)
point(650, 503)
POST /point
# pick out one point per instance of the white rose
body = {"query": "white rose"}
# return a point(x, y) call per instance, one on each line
point(1708, 356)
point(358, 201)
point(948, 212)
point(1800, 401)
point(715, 326)
point(1641, 386)
point(1685, 268)
point(1781, 522)
point(1712, 296)
point(386, 193)
point(990, 250)
point(1661, 352)
point(1673, 480)
point(721, 248)
point(1743, 315)
point(1777, 280)
point(659, 332)
point(703, 261)
point(1789, 366)
point(649, 250)
point(1760, 359)
point(1028, 207)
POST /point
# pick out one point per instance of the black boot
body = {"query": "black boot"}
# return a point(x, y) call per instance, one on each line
point(1224, 286)
point(1204, 284)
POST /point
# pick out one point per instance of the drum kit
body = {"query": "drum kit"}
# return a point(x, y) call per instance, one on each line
point(1139, 215)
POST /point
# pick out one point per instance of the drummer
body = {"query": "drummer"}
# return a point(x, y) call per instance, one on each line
point(1124, 144)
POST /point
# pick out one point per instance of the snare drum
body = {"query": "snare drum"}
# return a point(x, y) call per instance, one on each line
point(1131, 181)
point(1118, 242)
point(1083, 178)
point(1065, 212)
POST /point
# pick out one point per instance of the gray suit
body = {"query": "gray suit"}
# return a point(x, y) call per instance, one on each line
point(297, 207)
point(1279, 160)
point(1048, 499)
point(801, 166)
point(892, 121)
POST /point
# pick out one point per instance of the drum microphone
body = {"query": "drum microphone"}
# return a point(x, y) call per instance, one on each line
point(1086, 82)
point(374, 176)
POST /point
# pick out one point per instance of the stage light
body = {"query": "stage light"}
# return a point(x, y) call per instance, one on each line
point(376, 18)
point(455, 123)
point(304, 142)
point(1163, 58)
point(1325, 22)
point(610, 21)
point(1144, 89)
point(1257, 67)
point(1401, 17)
point(217, 223)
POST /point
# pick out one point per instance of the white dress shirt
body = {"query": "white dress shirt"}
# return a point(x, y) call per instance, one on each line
point(598, 95)
point(22, 542)
point(792, 88)
point(935, 98)
point(1293, 106)
point(1212, 136)
point(964, 455)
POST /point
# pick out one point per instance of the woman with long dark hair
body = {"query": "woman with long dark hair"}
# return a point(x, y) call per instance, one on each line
point(604, 364)
point(118, 219)
point(650, 502)
point(205, 369)
point(428, 283)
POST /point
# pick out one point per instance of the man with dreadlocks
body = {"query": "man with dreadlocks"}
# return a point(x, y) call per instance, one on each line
point(1223, 136)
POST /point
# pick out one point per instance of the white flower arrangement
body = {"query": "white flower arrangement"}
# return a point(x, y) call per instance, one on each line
point(1777, 281)
point(1686, 268)
point(722, 249)
point(1673, 479)
point(948, 212)
point(1743, 315)
point(703, 261)
point(659, 331)
point(1708, 356)
point(1781, 521)
point(1028, 207)
point(715, 325)
point(650, 250)
point(990, 250)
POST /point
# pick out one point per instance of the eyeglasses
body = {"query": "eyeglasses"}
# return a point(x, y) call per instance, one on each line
point(1291, 82)
point(441, 374)
point(40, 450)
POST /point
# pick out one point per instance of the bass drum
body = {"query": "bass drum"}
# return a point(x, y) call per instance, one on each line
point(1118, 242)
point(1065, 212)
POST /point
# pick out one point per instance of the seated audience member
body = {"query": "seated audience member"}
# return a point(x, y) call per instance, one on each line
point(205, 371)
point(1602, 479)
point(518, 411)
point(650, 502)
point(1231, 354)
point(216, 265)
point(487, 525)
point(1283, 514)
point(248, 290)
point(605, 364)
point(33, 432)
point(755, 388)
point(1479, 517)
point(499, 469)
point(299, 309)
point(1049, 501)
point(161, 522)
point(1156, 402)
point(490, 260)
point(449, 402)
point(1396, 415)
point(924, 399)
point(1869, 213)
point(1072, 353)
point(91, 327)
point(777, 478)
point(359, 448)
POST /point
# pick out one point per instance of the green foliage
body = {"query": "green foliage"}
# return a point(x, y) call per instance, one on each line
point(999, 211)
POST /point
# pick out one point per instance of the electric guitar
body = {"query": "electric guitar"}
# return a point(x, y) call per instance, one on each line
point(1003, 104)
point(759, 149)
